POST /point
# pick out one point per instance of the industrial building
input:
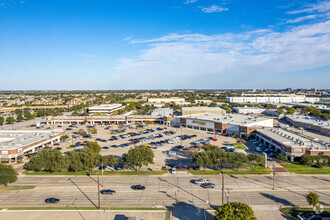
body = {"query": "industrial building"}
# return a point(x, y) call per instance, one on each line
point(166, 100)
point(104, 109)
point(14, 144)
point(248, 110)
point(162, 112)
point(202, 109)
point(290, 144)
point(270, 99)
point(223, 123)
point(310, 122)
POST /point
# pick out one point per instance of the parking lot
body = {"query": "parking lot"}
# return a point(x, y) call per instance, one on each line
point(171, 146)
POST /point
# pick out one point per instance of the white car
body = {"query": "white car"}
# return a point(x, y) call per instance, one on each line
point(200, 181)
point(173, 171)
point(171, 153)
point(259, 149)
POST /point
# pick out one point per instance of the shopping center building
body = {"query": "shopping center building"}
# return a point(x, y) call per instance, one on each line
point(14, 144)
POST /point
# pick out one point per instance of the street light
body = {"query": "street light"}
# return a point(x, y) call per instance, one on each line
point(273, 177)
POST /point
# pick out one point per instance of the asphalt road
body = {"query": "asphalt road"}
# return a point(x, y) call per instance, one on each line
point(166, 190)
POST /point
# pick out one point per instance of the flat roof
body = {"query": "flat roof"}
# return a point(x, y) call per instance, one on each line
point(106, 106)
point(310, 120)
point(197, 108)
point(235, 119)
point(10, 139)
point(290, 139)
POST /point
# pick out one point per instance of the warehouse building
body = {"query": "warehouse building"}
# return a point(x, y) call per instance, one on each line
point(166, 100)
point(223, 123)
point(14, 144)
point(248, 110)
point(310, 122)
point(162, 112)
point(290, 144)
point(104, 109)
point(202, 109)
point(270, 99)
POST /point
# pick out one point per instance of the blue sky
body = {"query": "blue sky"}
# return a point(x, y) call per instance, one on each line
point(164, 44)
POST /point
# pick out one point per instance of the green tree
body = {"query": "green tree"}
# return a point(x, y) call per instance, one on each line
point(82, 132)
point(290, 111)
point(280, 111)
point(234, 211)
point(20, 117)
point(64, 137)
point(18, 111)
point(255, 160)
point(109, 159)
point(75, 163)
point(10, 120)
point(93, 147)
point(307, 159)
point(47, 160)
point(92, 130)
point(138, 156)
point(27, 114)
point(7, 174)
point(75, 113)
point(2, 120)
point(313, 199)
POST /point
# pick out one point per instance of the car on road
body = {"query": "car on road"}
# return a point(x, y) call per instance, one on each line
point(207, 185)
point(52, 200)
point(107, 192)
point(138, 187)
point(173, 170)
point(200, 181)
point(105, 147)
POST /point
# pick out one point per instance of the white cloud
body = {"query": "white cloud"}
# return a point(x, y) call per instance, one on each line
point(190, 1)
point(196, 59)
point(214, 8)
point(323, 6)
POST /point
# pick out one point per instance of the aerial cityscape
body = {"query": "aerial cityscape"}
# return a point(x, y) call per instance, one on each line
point(164, 110)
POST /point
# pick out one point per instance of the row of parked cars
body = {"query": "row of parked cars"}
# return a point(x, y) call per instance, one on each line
point(262, 148)
point(203, 141)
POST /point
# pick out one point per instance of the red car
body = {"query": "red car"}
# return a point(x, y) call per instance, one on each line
point(165, 128)
point(213, 139)
point(185, 148)
point(224, 134)
point(56, 144)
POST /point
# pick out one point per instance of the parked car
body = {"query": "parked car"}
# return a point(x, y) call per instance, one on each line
point(52, 200)
point(107, 192)
point(138, 187)
point(173, 171)
point(207, 185)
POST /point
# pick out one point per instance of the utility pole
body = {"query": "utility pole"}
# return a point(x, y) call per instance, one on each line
point(181, 133)
point(223, 186)
point(102, 174)
point(98, 191)
point(273, 177)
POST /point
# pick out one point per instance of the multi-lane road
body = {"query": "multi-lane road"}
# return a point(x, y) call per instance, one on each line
point(166, 190)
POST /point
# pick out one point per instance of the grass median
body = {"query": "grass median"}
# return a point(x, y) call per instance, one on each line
point(259, 170)
point(239, 146)
point(302, 169)
point(157, 172)
point(292, 212)
point(10, 188)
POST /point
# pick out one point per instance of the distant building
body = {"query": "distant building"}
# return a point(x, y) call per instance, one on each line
point(202, 109)
point(309, 122)
point(166, 100)
point(248, 110)
point(162, 112)
point(104, 109)
point(203, 101)
point(278, 99)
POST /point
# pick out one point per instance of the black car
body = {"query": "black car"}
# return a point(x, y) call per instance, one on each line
point(207, 185)
point(52, 200)
point(107, 191)
point(138, 187)
point(105, 147)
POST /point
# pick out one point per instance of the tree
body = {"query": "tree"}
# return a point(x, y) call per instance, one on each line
point(20, 117)
point(109, 159)
point(2, 120)
point(138, 156)
point(18, 111)
point(290, 111)
point(92, 130)
point(307, 159)
point(82, 132)
point(75, 113)
point(312, 199)
point(27, 114)
point(234, 210)
point(7, 174)
point(255, 160)
point(10, 120)
point(64, 137)
point(280, 111)
point(93, 147)
point(48, 160)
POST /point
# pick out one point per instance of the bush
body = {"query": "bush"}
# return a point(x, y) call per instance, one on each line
point(234, 210)
point(7, 174)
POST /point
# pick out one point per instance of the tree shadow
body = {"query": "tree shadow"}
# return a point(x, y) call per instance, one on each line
point(120, 217)
point(83, 192)
point(179, 162)
point(185, 211)
point(276, 199)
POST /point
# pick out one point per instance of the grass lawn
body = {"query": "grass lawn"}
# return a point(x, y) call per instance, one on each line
point(239, 146)
point(157, 172)
point(79, 208)
point(70, 147)
point(302, 169)
point(292, 212)
point(9, 188)
point(259, 170)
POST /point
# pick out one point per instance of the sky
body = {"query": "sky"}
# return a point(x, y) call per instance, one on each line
point(164, 44)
